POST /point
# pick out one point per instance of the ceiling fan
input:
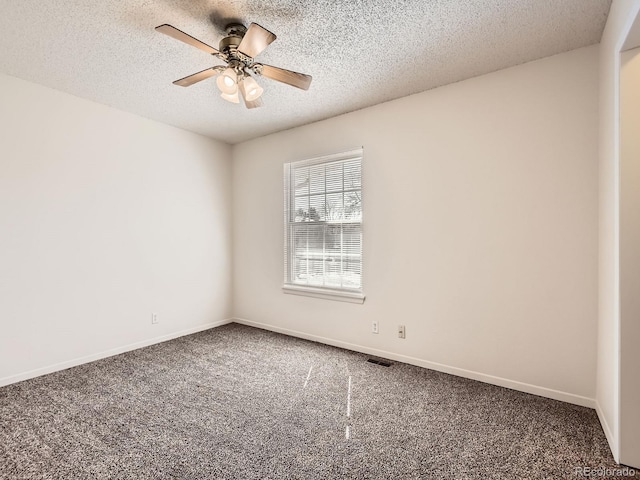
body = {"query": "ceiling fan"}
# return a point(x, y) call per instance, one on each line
point(238, 50)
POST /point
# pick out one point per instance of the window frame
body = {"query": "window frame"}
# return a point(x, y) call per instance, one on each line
point(344, 294)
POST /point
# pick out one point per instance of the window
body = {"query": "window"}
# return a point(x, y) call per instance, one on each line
point(323, 227)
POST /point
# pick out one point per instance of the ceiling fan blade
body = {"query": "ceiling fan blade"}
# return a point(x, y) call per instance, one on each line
point(186, 38)
point(295, 79)
point(255, 40)
point(197, 77)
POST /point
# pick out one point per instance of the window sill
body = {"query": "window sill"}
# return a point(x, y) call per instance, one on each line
point(326, 294)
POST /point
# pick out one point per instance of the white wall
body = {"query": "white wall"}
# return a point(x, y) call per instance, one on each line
point(618, 23)
point(105, 217)
point(630, 258)
point(480, 228)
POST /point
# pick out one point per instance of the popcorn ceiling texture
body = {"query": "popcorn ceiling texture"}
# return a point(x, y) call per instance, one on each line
point(240, 403)
point(360, 53)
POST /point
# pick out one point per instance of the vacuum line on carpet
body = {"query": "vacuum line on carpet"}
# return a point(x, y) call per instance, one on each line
point(308, 376)
point(349, 399)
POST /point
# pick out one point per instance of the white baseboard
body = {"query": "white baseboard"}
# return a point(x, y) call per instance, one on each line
point(108, 353)
point(502, 382)
point(460, 372)
point(613, 445)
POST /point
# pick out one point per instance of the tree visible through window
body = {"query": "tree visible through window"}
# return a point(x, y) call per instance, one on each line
point(323, 222)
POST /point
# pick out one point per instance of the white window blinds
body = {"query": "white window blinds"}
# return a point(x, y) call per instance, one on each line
point(323, 224)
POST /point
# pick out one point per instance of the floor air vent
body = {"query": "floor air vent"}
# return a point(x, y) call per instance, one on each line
point(379, 362)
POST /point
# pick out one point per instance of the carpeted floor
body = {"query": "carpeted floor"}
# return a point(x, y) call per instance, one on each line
point(241, 403)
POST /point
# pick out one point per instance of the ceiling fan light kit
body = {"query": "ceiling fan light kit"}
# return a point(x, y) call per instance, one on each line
point(238, 50)
point(250, 89)
point(227, 81)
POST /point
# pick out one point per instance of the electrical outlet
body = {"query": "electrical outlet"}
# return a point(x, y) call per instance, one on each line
point(374, 327)
point(401, 331)
point(154, 318)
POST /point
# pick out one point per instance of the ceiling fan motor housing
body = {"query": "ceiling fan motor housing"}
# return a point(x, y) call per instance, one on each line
point(235, 33)
point(229, 43)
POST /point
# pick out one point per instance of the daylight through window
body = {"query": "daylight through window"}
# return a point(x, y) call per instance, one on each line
point(323, 226)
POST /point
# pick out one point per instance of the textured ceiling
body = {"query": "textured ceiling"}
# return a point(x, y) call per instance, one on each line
point(359, 52)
